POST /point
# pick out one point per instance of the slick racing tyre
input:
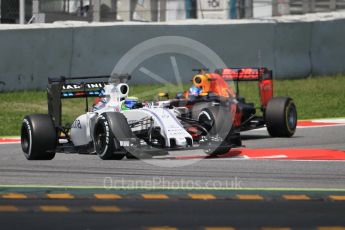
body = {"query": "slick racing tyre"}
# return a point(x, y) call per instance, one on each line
point(106, 144)
point(198, 107)
point(217, 121)
point(38, 137)
point(281, 117)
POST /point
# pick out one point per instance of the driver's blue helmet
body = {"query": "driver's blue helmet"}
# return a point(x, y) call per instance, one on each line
point(130, 102)
point(194, 91)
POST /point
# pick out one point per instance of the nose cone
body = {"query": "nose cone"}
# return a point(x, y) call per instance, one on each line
point(181, 142)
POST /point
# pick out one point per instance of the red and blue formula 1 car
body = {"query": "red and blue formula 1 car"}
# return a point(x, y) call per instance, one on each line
point(221, 87)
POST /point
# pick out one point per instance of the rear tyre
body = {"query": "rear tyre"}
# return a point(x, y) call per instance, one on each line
point(281, 117)
point(218, 122)
point(38, 137)
point(106, 145)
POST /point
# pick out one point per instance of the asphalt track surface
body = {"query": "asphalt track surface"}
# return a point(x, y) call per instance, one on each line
point(89, 170)
point(259, 176)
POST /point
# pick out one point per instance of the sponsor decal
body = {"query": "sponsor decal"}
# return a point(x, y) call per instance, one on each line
point(81, 86)
point(132, 122)
point(76, 124)
point(27, 124)
point(106, 130)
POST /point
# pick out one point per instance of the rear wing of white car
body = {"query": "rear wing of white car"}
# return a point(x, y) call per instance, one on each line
point(76, 87)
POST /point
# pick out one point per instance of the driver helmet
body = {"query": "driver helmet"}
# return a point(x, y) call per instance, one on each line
point(130, 102)
point(194, 91)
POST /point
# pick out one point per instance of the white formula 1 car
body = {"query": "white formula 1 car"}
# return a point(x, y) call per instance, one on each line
point(112, 130)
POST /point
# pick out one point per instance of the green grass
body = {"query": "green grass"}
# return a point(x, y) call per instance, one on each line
point(315, 97)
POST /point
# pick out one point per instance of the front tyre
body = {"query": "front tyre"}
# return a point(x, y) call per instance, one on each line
point(38, 137)
point(106, 145)
point(281, 117)
point(217, 121)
